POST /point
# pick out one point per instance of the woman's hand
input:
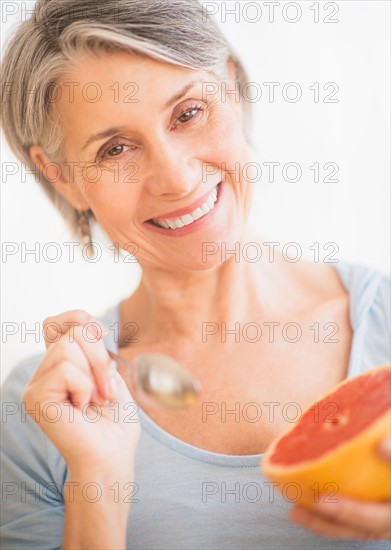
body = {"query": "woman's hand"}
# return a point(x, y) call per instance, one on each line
point(349, 518)
point(69, 397)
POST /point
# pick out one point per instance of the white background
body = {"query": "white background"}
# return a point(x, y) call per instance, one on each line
point(353, 133)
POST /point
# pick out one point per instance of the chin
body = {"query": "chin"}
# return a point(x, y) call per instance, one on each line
point(220, 247)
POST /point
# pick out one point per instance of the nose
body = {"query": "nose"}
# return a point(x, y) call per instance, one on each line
point(171, 171)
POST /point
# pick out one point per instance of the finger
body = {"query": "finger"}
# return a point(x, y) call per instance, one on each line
point(99, 361)
point(385, 449)
point(72, 353)
point(122, 389)
point(327, 527)
point(367, 516)
point(62, 351)
point(91, 357)
point(66, 382)
point(57, 325)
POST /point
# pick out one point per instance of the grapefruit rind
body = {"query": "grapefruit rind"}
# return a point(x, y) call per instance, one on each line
point(353, 468)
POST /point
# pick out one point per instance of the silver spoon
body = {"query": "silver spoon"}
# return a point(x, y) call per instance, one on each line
point(161, 379)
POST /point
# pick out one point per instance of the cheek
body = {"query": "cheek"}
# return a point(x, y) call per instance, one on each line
point(113, 198)
point(226, 146)
point(223, 142)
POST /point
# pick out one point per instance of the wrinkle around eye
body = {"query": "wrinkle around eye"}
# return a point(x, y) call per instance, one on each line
point(103, 157)
point(198, 117)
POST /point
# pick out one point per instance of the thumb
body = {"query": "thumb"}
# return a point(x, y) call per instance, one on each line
point(385, 448)
point(122, 386)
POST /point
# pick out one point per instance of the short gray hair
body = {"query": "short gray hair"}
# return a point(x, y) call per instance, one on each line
point(179, 32)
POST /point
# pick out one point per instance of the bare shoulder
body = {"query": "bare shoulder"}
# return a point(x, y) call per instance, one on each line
point(331, 298)
point(306, 286)
point(322, 279)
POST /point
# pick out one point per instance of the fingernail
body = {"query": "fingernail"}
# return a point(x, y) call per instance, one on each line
point(105, 332)
point(112, 366)
point(111, 387)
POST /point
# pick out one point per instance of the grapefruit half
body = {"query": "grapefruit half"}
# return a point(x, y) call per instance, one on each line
point(332, 449)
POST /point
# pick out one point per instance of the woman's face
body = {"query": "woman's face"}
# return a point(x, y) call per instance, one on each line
point(167, 147)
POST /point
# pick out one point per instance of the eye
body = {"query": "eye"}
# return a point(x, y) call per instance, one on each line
point(193, 112)
point(187, 115)
point(112, 150)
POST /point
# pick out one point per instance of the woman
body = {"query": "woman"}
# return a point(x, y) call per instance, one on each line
point(163, 151)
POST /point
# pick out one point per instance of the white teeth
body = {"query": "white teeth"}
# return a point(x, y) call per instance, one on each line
point(197, 214)
point(187, 219)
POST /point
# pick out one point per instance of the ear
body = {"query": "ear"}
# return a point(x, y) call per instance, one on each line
point(58, 176)
point(231, 70)
point(233, 83)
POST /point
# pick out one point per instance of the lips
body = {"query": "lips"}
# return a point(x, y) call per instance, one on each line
point(186, 209)
point(188, 220)
point(190, 217)
point(185, 216)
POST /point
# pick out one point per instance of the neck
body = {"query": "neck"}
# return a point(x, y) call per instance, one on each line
point(181, 303)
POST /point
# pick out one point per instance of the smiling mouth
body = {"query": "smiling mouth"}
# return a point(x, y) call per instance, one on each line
point(189, 218)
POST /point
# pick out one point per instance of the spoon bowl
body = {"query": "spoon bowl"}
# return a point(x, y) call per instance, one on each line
point(160, 379)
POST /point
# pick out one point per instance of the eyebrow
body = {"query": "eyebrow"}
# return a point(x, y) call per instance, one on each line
point(182, 92)
point(102, 135)
point(117, 129)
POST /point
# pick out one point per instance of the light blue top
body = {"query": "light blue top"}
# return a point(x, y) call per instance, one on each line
point(187, 498)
